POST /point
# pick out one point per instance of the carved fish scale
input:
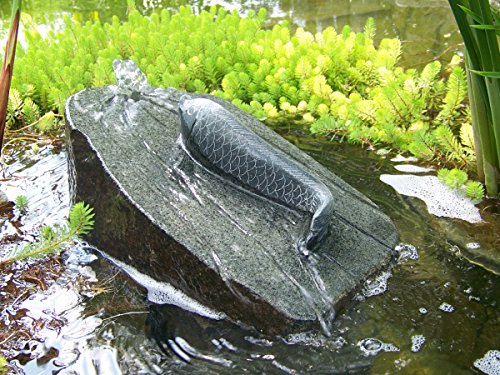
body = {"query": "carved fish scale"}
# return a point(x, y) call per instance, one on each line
point(211, 132)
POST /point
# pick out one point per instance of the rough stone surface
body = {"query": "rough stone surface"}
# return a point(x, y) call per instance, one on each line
point(170, 218)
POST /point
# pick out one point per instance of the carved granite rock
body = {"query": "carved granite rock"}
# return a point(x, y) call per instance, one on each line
point(172, 219)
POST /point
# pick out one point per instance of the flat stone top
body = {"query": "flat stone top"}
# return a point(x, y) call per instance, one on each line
point(245, 238)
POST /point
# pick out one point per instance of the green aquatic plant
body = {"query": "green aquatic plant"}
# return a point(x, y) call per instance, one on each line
point(454, 178)
point(340, 83)
point(52, 239)
point(474, 190)
point(410, 111)
point(479, 26)
point(21, 203)
point(458, 179)
point(270, 73)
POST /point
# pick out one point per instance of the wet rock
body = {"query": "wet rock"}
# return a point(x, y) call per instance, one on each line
point(171, 219)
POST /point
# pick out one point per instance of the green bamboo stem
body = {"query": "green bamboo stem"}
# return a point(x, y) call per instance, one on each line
point(8, 65)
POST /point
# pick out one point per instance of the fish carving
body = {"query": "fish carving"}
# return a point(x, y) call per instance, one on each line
point(218, 141)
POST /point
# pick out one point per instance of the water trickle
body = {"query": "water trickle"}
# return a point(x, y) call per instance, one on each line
point(164, 293)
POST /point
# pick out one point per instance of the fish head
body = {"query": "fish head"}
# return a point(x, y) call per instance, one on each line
point(188, 113)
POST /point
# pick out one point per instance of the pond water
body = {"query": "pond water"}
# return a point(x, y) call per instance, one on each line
point(433, 313)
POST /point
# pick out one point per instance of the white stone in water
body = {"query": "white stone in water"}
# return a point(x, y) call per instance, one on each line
point(446, 307)
point(410, 168)
point(490, 363)
point(440, 199)
point(416, 343)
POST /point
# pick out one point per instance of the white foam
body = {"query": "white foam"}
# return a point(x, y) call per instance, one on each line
point(490, 363)
point(410, 168)
point(164, 293)
point(401, 158)
point(416, 343)
point(373, 346)
point(406, 252)
point(440, 199)
point(446, 307)
point(376, 286)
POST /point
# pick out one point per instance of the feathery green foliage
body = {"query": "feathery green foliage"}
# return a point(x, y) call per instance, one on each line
point(341, 83)
point(413, 112)
point(269, 73)
point(51, 240)
point(457, 179)
point(22, 203)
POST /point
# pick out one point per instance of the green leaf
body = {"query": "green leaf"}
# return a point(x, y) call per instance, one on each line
point(476, 17)
point(52, 240)
point(80, 219)
point(486, 74)
point(485, 27)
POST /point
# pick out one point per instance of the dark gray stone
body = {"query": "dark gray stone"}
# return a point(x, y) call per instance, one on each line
point(235, 252)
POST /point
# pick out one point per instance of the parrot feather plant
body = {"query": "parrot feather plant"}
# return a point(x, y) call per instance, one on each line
point(8, 65)
point(479, 25)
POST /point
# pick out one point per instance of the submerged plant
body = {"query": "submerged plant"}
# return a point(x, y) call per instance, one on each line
point(51, 240)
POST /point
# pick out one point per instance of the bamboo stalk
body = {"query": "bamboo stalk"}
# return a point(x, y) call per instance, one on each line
point(8, 65)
